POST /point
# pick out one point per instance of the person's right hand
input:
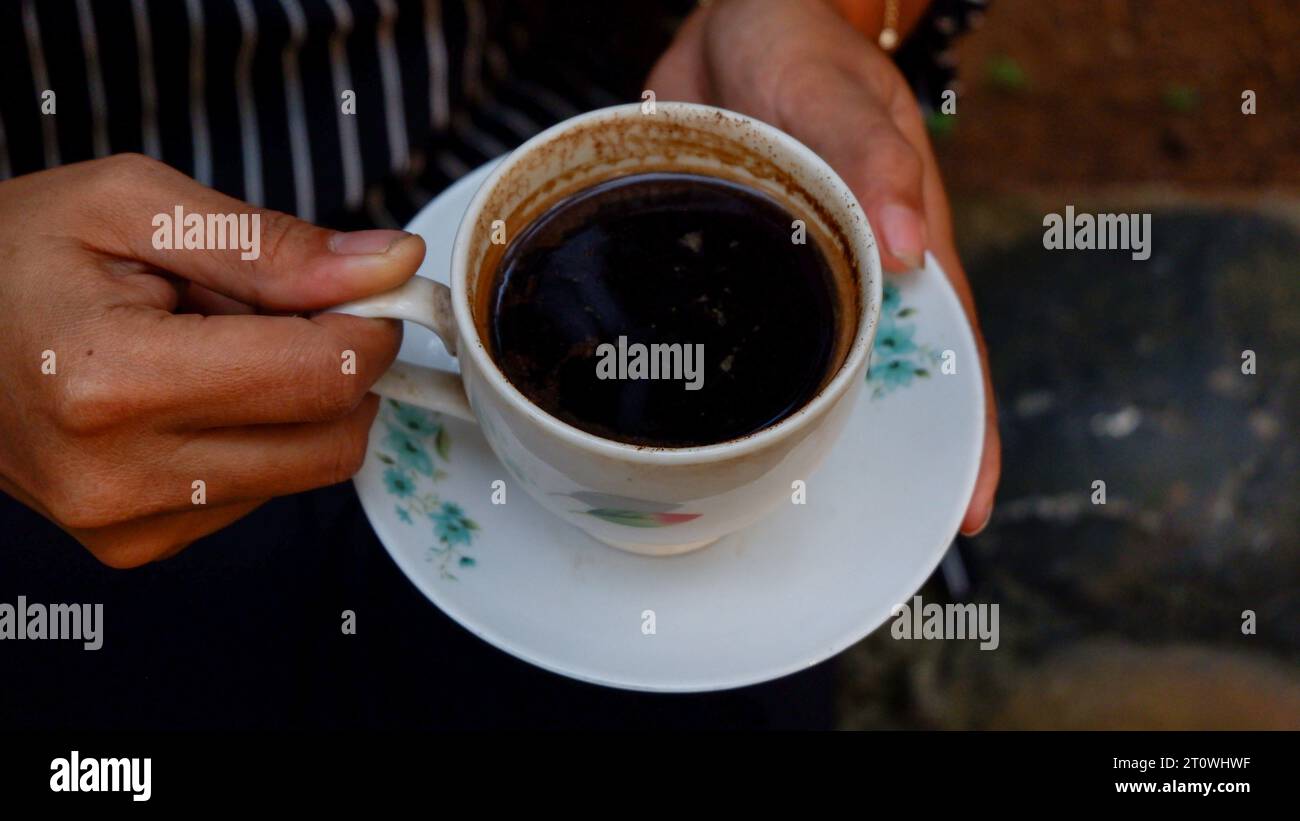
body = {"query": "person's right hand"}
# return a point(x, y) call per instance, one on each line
point(164, 372)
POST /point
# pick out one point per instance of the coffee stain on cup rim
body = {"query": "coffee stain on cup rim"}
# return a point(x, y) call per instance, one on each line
point(682, 138)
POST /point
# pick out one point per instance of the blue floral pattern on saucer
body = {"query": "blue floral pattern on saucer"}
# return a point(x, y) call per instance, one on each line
point(897, 359)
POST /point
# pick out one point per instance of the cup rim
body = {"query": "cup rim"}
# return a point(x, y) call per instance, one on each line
point(858, 230)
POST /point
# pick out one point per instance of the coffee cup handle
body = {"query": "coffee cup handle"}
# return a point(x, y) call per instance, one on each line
point(428, 303)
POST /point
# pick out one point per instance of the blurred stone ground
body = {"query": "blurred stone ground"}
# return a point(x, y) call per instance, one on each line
point(1128, 614)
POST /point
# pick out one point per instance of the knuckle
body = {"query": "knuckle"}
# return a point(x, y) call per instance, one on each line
point(892, 164)
point(81, 501)
point(277, 227)
point(897, 153)
point(307, 373)
point(885, 83)
point(119, 559)
point(905, 111)
point(375, 345)
point(337, 395)
point(357, 390)
point(90, 403)
point(390, 341)
point(120, 554)
point(114, 173)
point(349, 454)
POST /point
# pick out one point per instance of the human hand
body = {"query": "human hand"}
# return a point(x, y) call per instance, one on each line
point(799, 66)
point(164, 374)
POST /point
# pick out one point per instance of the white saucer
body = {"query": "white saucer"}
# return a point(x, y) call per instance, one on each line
point(792, 591)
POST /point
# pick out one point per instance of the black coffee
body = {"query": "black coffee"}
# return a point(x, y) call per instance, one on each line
point(665, 309)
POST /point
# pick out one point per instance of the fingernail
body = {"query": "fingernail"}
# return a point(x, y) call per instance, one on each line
point(977, 531)
point(366, 242)
point(904, 234)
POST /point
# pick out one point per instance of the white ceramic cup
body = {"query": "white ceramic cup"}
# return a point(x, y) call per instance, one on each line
point(651, 500)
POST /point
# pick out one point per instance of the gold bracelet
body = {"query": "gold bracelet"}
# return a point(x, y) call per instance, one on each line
point(888, 39)
point(889, 34)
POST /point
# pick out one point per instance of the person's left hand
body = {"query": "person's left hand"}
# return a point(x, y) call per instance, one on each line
point(799, 66)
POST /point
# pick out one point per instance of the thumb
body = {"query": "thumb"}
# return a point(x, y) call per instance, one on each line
point(853, 130)
point(681, 73)
point(259, 257)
